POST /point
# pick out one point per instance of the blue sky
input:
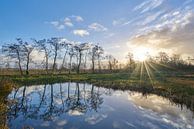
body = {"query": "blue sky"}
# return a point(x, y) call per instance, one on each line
point(118, 25)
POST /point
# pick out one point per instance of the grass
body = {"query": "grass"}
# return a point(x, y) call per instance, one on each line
point(5, 88)
point(176, 86)
point(165, 81)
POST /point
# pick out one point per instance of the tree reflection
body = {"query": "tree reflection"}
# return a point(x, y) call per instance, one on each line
point(95, 100)
point(46, 102)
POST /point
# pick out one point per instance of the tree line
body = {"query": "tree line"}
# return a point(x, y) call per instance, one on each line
point(162, 61)
point(58, 55)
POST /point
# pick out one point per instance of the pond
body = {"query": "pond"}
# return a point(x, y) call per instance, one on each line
point(85, 106)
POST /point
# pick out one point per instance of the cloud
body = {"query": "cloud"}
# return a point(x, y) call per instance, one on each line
point(151, 18)
point(96, 118)
point(68, 22)
point(81, 32)
point(148, 5)
point(75, 113)
point(36, 54)
point(97, 27)
point(157, 108)
point(118, 22)
point(174, 32)
point(77, 18)
point(61, 122)
point(60, 27)
point(57, 25)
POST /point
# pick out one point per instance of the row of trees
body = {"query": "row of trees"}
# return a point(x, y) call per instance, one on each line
point(58, 54)
point(162, 60)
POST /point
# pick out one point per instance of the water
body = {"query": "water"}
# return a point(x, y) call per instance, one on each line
point(84, 106)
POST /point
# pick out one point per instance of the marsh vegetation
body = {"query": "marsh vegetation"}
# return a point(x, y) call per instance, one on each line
point(39, 90)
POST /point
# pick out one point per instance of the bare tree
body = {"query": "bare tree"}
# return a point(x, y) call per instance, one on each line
point(163, 57)
point(80, 48)
point(112, 62)
point(176, 59)
point(71, 53)
point(130, 61)
point(86, 56)
point(66, 45)
point(27, 49)
point(15, 51)
point(96, 53)
point(100, 52)
point(42, 46)
point(56, 44)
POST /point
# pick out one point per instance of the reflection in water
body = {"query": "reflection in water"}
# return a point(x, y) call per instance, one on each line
point(154, 105)
point(74, 105)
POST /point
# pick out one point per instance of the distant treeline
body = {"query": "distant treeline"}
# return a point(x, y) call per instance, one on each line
point(58, 55)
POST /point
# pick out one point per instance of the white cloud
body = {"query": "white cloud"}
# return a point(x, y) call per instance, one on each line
point(75, 113)
point(151, 18)
point(174, 32)
point(67, 19)
point(81, 32)
point(148, 5)
point(57, 25)
point(67, 22)
point(78, 18)
point(37, 55)
point(60, 27)
point(97, 27)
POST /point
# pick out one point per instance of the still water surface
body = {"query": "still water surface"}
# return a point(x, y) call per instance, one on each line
point(84, 106)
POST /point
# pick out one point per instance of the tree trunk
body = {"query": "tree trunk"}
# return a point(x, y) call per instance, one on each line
point(93, 65)
point(19, 63)
point(99, 65)
point(70, 64)
point(78, 67)
point(64, 58)
point(52, 97)
point(27, 64)
point(110, 66)
point(46, 56)
point(78, 92)
point(85, 61)
point(54, 62)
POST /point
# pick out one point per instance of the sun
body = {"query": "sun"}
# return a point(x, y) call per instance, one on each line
point(141, 53)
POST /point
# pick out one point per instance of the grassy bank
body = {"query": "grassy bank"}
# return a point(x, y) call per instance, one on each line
point(5, 88)
point(169, 82)
point(178, 87)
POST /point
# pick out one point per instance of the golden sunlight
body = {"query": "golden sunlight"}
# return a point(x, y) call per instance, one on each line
point(141, 53)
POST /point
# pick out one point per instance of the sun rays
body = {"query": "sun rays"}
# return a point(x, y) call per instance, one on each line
point(142, 53)
point(147, 71)
point(147, 64)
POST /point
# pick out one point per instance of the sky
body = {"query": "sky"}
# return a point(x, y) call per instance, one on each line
point(119, 26)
